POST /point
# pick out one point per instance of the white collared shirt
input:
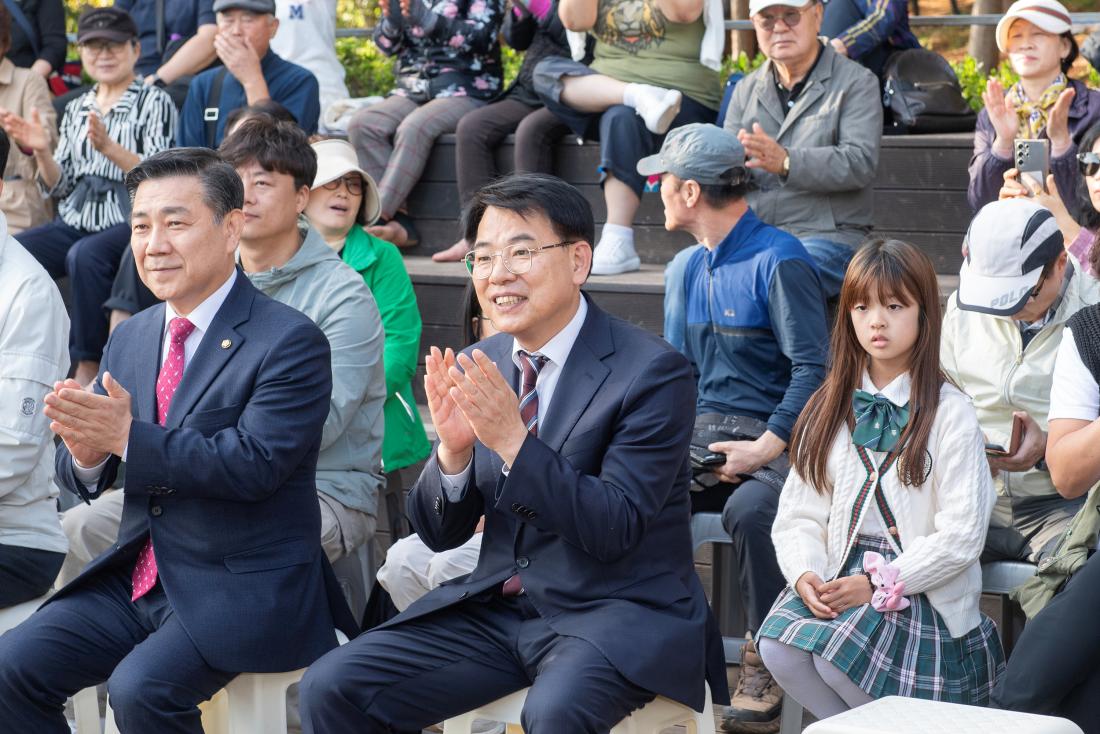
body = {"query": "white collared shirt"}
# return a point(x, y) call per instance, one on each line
point(556, 351)
point(201, 316)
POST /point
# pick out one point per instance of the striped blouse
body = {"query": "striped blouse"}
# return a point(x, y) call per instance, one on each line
point(91, 192)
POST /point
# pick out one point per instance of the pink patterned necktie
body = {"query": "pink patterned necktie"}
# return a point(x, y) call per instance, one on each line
point(145, 572)
point(529, 413)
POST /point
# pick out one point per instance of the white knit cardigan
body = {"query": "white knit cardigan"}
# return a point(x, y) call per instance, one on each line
point(941, 524)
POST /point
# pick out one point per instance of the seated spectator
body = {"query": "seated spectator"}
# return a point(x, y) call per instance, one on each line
point(1001, 333)
point(448, 64)
point(756, 334)
point(32, 358)
point(252, 72)
point(21, 90)
point(811, 124)
point(174, 52)
point(537, 31)
point(307, 37)
point(104, 133)
point(868, 31)
point(343, 200)
point(882, 594)
point(38, 40)
point(218, 400)
point(1054, 668)
point(584, 591)
point(290, 262)
point(1037, 37)
point(651, 72)
point(1081, 227)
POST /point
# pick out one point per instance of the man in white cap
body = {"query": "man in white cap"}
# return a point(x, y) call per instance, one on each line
point(1001, 333)
point(811, 123)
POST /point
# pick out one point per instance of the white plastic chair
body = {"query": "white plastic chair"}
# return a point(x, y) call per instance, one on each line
point(918, 716)
point(252, 703)
point(653, 718)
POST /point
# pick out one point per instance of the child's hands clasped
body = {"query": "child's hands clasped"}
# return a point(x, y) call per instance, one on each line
point(808, 587)
point(845, 592)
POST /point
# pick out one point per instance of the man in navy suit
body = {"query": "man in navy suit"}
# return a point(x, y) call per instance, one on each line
point(569, 432)
point(216, 401)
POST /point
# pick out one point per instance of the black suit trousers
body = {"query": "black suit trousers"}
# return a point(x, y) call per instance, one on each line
point(155, 676)
point(412, 675)
point(1055, 667)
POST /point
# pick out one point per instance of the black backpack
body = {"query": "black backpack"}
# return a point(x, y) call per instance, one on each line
point(921, 94)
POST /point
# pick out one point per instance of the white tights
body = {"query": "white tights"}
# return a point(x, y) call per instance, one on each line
point(821, 687)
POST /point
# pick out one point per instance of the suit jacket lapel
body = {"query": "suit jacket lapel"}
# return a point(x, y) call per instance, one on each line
point(148, 366)
point(581, 376)
point(813, 91)
point(218, 346)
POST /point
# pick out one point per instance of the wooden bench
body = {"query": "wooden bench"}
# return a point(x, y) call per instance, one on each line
point(920, 196)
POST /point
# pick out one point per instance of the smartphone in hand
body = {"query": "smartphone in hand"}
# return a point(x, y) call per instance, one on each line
point(1032, 157)
point(992, 449)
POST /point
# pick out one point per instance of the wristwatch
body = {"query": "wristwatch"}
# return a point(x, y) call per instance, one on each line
point(156, 81)
point(786, 166)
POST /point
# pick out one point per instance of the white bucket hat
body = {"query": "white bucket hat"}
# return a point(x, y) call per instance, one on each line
point(335, 159)
point(1050, 15)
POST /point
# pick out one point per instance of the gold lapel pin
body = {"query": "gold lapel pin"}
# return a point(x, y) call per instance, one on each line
point(226, 344)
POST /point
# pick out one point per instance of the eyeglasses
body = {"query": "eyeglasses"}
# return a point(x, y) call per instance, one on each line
point(516, 258)
point(98, 48)
point(1088, 164)
point(354, 184)
point(790, 17)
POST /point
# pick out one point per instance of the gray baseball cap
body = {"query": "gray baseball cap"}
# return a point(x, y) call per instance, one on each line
point(701, 152)
point(1007, 246)
point(256, 6)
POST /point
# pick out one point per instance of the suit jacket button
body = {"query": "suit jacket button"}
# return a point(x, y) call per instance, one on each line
point(523, 562)
point(515, 507)
point(157, 510)
point(531, 514)
point(438, 505)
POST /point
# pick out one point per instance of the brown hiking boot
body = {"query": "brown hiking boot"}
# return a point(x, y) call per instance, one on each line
point(757, 700)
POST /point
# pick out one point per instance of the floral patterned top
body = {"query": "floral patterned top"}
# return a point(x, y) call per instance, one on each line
point(451, 50)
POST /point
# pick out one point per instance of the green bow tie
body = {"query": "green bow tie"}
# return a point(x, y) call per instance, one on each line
point(879, 423)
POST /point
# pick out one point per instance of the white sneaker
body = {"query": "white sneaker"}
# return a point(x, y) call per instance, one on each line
point(657, 106)
point(614, 255)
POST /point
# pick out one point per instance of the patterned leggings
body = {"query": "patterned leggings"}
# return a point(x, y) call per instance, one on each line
point(394, 139)
point(821, 687)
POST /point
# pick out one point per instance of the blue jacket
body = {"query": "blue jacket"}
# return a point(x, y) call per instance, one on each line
point(756, 325)
point(292, 86)
point(884, 22)
point(226, 487)
point(593, 513)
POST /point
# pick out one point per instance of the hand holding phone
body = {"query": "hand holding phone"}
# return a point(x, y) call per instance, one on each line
point(1032, 157)
point(992, 449)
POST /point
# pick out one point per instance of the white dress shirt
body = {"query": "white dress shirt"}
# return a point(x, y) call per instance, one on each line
point(556, 352)
point(201, 316)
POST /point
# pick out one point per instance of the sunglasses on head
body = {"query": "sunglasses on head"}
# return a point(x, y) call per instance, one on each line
point(1088, 163)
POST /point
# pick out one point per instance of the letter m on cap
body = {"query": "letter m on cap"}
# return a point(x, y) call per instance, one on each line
point(297, 12)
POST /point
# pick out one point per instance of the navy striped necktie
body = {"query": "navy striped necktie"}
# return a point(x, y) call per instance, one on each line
point(529, 412)
point(529, 396)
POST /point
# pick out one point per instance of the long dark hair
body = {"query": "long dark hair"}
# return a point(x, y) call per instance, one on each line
point(1081, 206)
point(881, 269)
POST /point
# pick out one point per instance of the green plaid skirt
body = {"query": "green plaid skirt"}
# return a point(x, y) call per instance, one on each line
point(907, 653)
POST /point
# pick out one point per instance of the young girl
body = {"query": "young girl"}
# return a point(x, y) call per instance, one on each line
point(884, 514)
